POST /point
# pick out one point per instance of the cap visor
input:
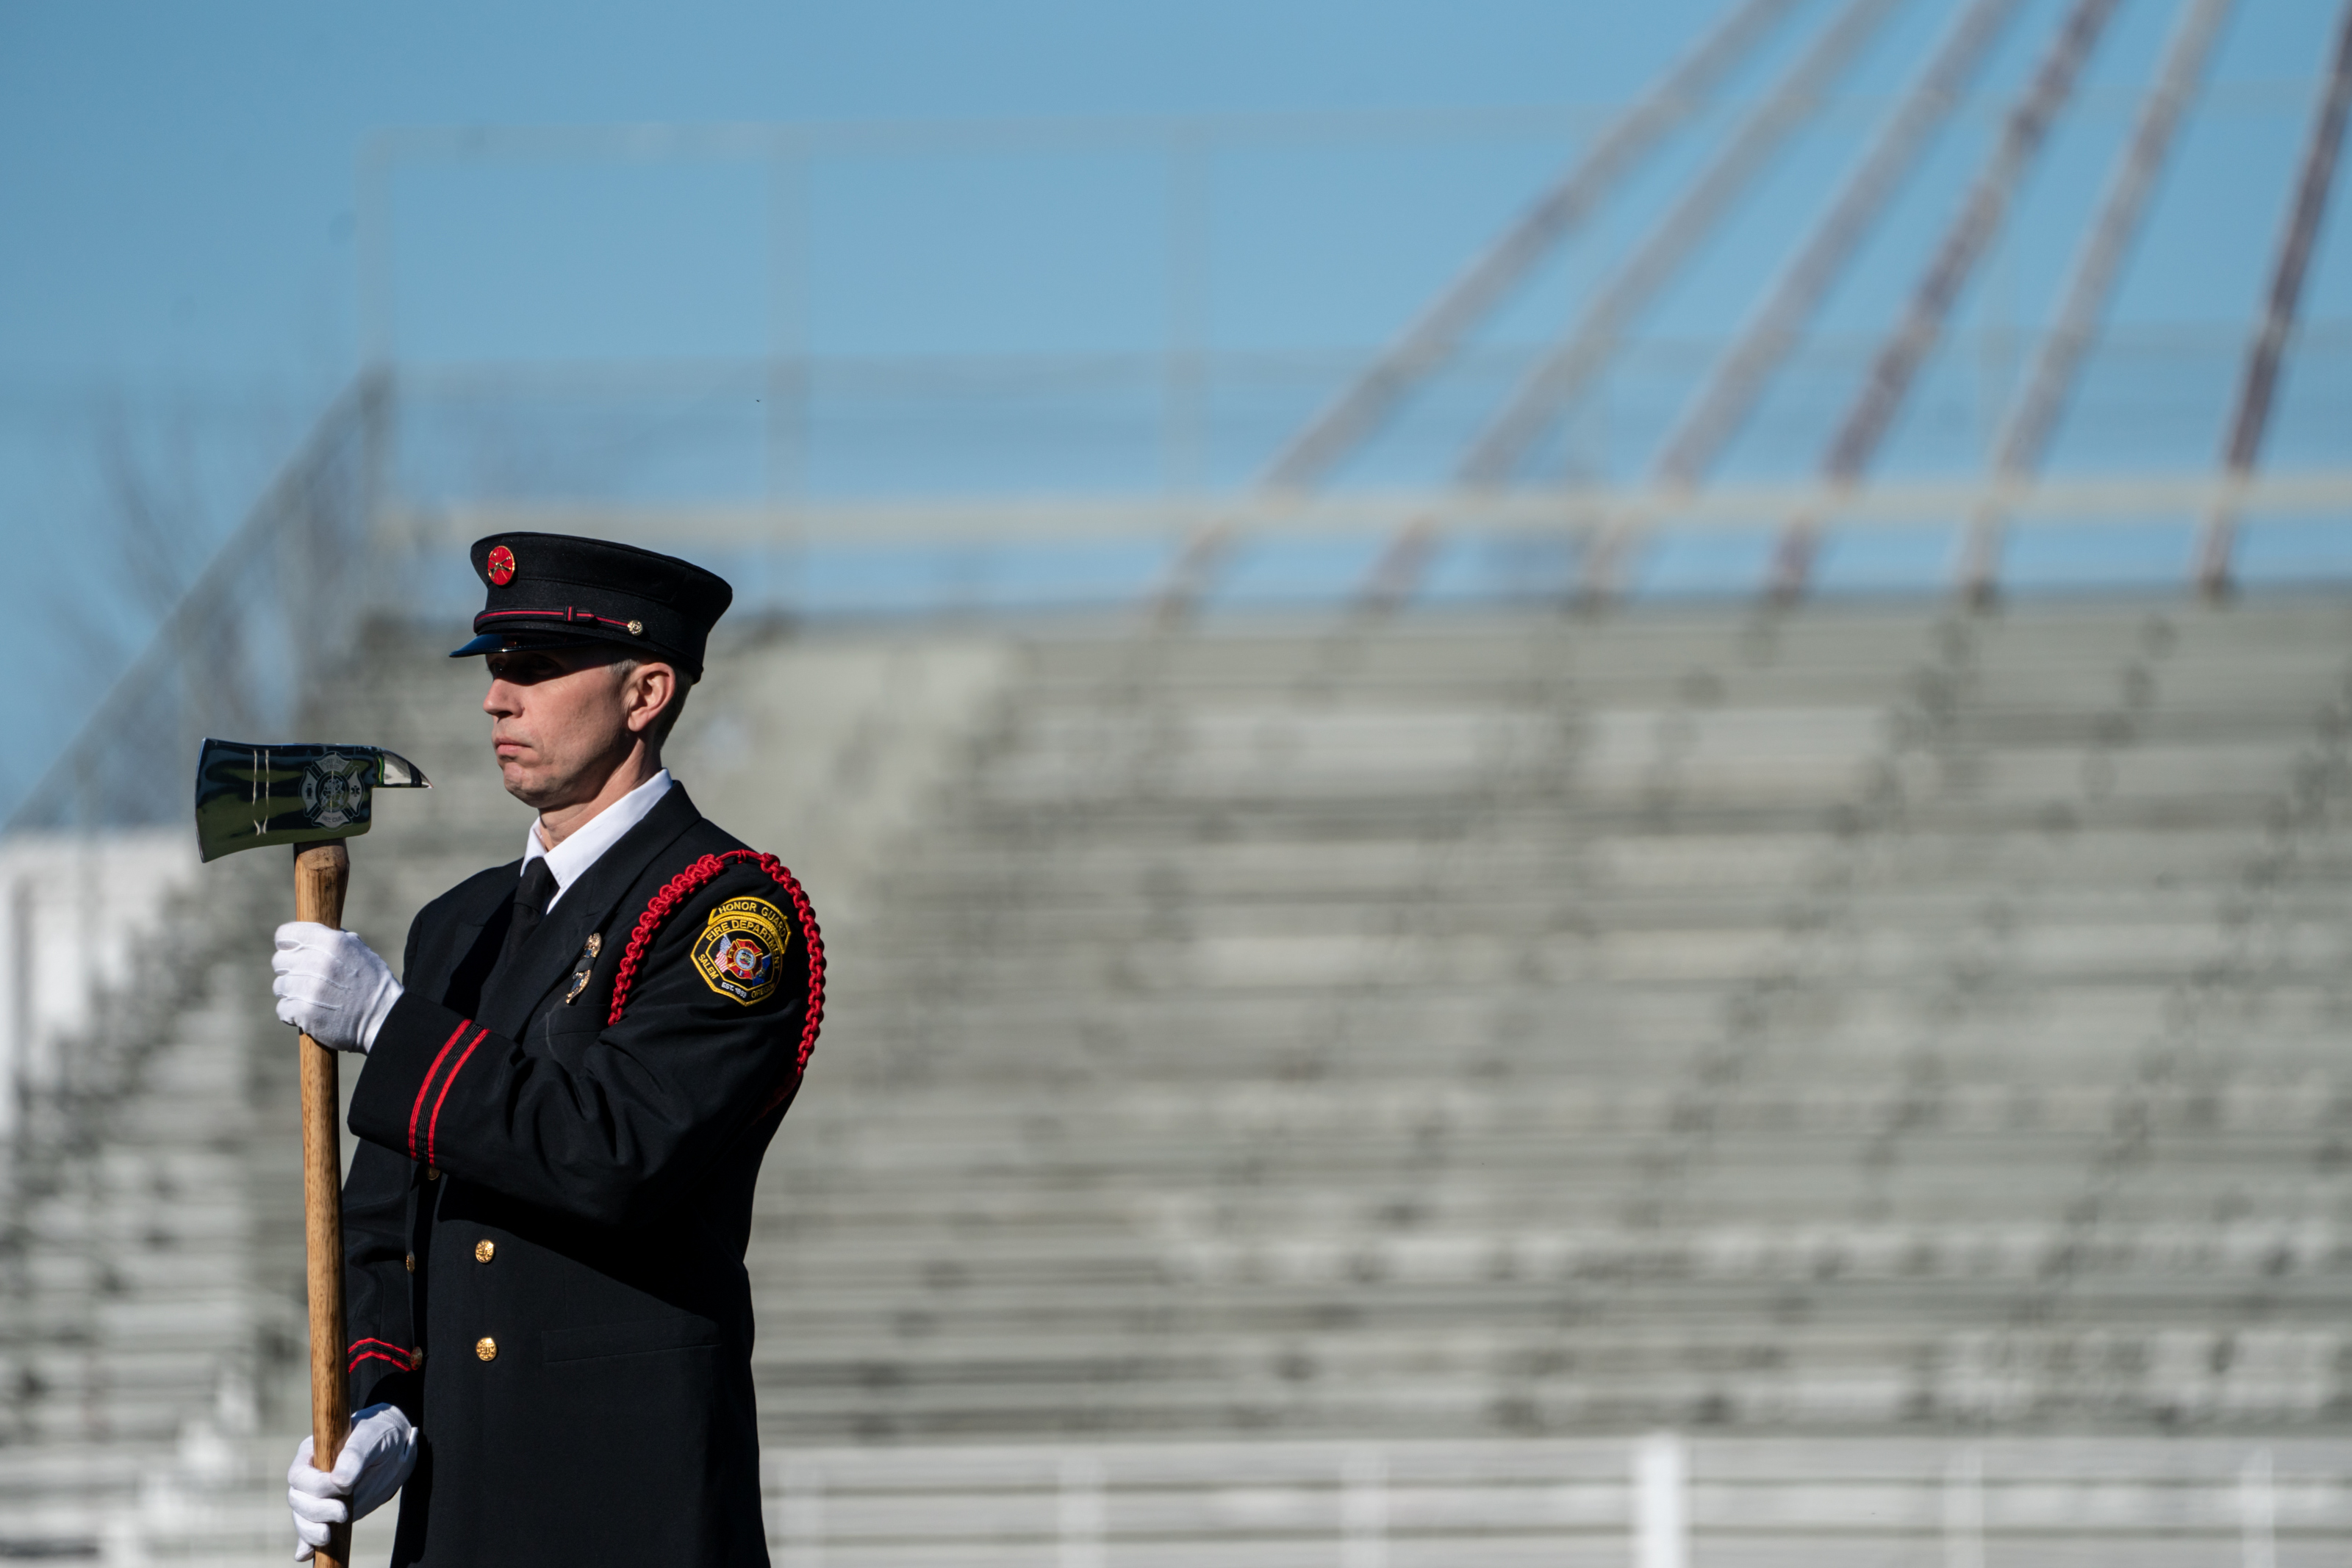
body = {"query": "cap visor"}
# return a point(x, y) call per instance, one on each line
point(514, 642)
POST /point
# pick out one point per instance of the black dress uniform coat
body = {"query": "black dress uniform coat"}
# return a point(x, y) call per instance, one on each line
point(546, 1217)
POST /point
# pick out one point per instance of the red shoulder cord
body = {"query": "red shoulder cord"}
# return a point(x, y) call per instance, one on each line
point(680, 888)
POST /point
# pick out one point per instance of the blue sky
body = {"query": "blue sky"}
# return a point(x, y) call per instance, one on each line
point(181, 177)
point(182, 174)
point(993, 184)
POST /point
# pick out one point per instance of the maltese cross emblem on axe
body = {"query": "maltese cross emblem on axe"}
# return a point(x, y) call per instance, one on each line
point(313, 797)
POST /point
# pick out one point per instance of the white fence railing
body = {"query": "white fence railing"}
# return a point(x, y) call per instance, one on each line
point(1664, 1501)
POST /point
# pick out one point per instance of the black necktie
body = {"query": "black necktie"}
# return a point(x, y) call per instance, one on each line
point(532, 895)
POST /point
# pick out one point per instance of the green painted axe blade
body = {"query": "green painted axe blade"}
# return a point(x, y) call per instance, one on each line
point(249, 794)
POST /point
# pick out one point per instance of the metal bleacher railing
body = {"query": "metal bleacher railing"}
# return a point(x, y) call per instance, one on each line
point(372, 514)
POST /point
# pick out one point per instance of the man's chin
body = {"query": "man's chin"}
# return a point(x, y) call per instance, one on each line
point(531, 791)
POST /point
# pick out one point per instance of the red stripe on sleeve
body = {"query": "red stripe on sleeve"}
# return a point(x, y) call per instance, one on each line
point(416, 1110)
point(434, 1125)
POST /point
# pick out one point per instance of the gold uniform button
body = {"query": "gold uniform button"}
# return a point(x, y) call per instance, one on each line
point(417, 1357)
point(409, 1262)
point(432, 1173)
point(486, 1348)
point(485, 1250)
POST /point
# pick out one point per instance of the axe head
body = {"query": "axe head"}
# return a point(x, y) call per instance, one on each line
point(249, 795)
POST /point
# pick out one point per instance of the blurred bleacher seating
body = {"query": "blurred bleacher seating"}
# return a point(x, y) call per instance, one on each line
point(1316, 1091)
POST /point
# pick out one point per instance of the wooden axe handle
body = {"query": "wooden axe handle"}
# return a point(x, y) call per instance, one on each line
point(322, 874)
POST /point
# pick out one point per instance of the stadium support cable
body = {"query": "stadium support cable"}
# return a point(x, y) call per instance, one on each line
point(2251, 421)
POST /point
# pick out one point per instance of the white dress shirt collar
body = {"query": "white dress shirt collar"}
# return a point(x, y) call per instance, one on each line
point(592, 838)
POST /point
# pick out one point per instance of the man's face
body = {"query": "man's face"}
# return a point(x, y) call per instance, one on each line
point(560, 722)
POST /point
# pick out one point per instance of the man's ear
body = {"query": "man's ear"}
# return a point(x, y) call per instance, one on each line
point(648, 690)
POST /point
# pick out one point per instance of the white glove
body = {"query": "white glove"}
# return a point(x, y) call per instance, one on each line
point(376, 1458)
point(331, 985)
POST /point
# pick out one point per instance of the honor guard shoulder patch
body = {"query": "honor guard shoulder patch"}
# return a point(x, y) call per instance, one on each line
point(740, 949)
point(678, 889)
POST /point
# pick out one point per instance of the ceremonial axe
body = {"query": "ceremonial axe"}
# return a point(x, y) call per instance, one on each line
point(313, 797)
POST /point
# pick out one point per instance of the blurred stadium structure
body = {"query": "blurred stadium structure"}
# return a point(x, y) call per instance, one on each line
point(1837, 1073)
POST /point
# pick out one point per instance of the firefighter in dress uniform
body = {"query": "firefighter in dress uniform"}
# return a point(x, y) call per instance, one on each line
point(564, 1101)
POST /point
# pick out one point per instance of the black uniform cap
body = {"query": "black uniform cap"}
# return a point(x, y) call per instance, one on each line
point(556, 591)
